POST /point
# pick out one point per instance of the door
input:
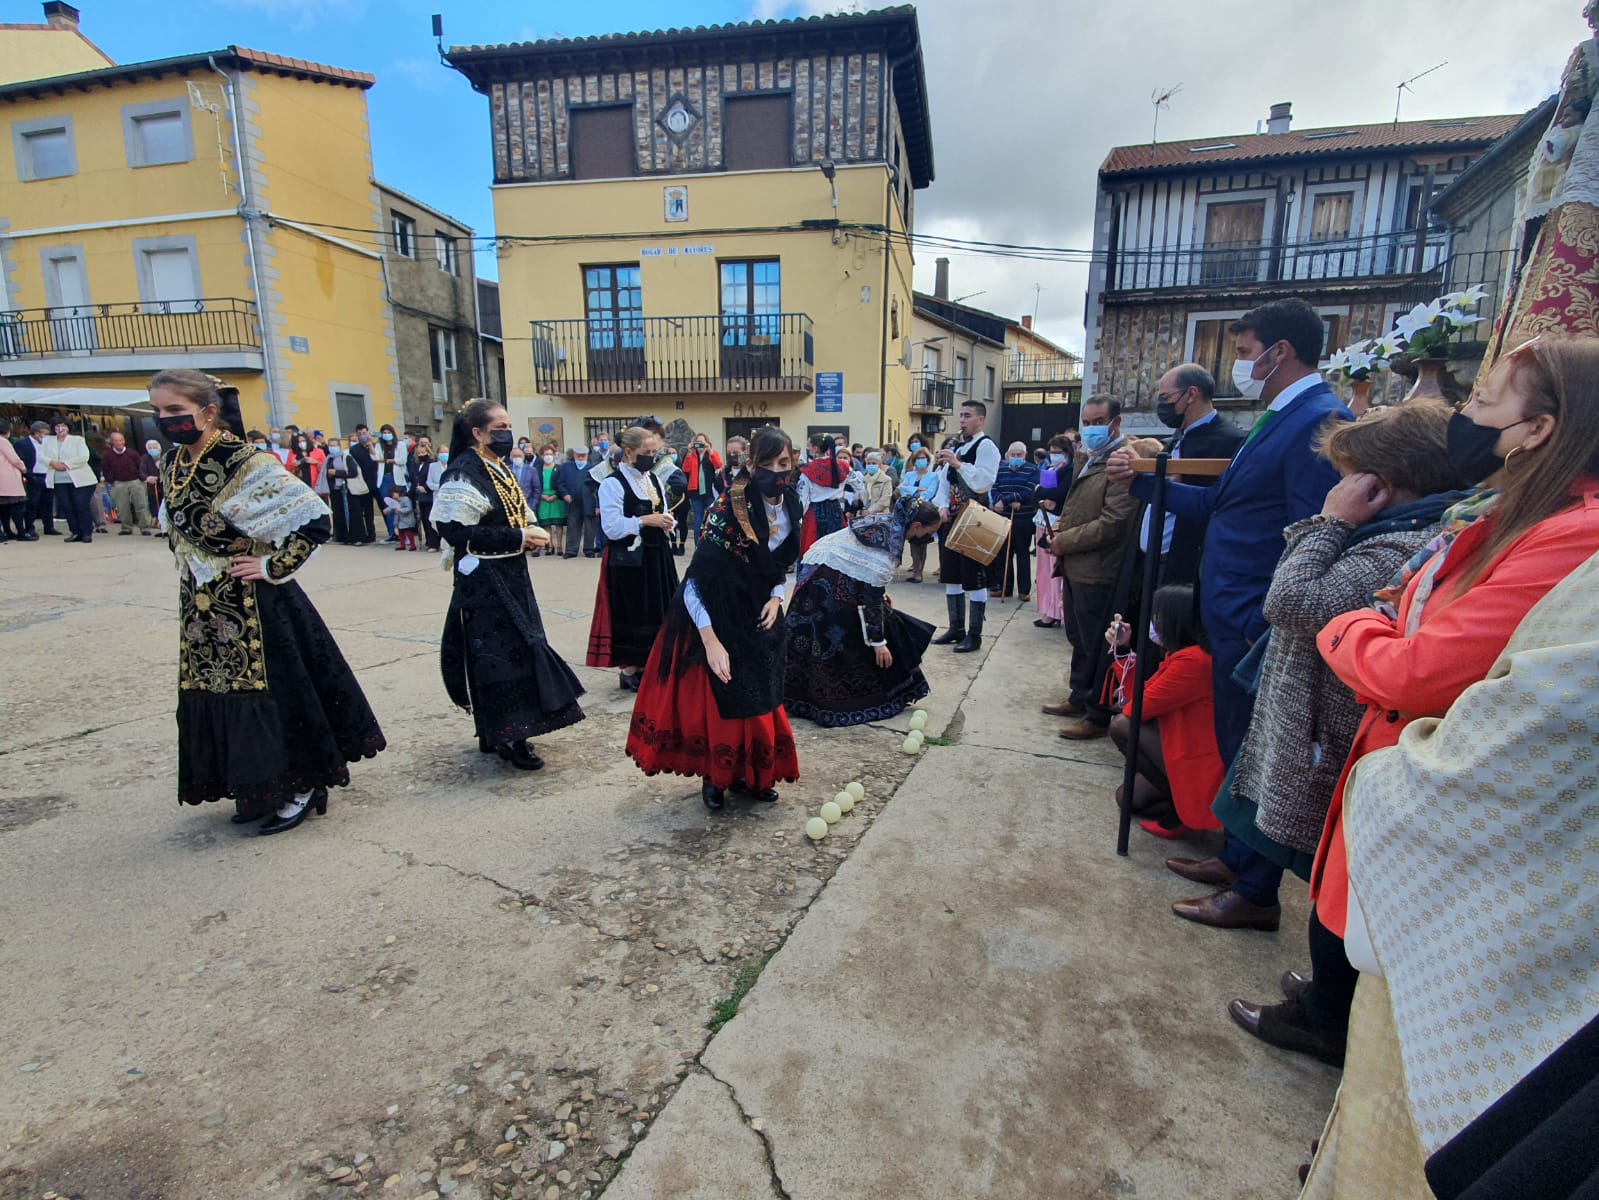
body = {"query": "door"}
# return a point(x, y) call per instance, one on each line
point(1234, 242)
point(171, 281)
point(72, 328)
point(613, 300)
point(751, 320)
point(743, 427)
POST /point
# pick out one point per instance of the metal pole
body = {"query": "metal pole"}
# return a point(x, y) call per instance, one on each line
point(1157, 526)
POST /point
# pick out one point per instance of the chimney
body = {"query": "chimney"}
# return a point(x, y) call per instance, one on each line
point(941, 280)
point(1281, 117)
point(60, 15)
point(1027, 320)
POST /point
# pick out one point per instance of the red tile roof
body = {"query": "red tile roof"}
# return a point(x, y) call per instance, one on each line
point(300, 66)
point(1464, 132)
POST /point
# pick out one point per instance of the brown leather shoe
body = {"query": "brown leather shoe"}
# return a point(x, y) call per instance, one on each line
point(1283, 1026)
point(1084, 731)
point(1065, 708)
point(1229, 910)
point(1202, 870)
point(1292, 984)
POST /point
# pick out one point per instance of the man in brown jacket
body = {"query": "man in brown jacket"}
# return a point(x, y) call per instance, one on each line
point(1096, 527)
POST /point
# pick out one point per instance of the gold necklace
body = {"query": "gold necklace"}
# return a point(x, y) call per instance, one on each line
point(180, 484)
point(509, 491)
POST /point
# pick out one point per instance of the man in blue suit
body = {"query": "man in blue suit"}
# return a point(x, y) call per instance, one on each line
point(1276, 478)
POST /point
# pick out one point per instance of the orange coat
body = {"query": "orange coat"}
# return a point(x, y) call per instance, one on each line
point(1457, 642)
point(1179, 699)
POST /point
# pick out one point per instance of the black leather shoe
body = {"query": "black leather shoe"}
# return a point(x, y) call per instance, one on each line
point(1283, 1026)
point(715, 799)
point(1293, 984)
point(630, 683)
point(521, 756)
point(318, 801)
point(240, 819)
point(766, 795)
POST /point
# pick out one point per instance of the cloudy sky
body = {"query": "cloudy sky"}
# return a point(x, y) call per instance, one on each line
point(1027, 95)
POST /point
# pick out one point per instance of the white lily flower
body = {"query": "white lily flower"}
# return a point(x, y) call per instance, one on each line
point(1418, 319)
point(1467, 300)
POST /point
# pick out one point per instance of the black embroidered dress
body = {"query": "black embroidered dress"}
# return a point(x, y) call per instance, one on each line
point(497, 662)
point(636, 583)
point(267, 706)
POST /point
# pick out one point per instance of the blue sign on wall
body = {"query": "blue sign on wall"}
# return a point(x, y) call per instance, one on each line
point(830, 391)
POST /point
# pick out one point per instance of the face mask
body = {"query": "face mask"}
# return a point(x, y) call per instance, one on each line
point(1154, 638)
point(444, 457)
point(183, 430)
point(921, 464)
point(549, 459)
point(1096, 437)
point(501, 441)
point(333, 447)
point(388, 437)
point(672, 455)
point(1166, 413)
point(1017, 462)
point(872, 468)
point(260, 445)
point(916, 445)
point(1244, 380)
point(734, 458)
point(769, 483)
point(604, 446)
point(516, 460)
point(1470, 447)
point(153, 450)
point(277, 439)
point(364, 438)
point(1057, 458)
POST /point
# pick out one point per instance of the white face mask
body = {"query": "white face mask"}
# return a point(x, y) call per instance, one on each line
point(1154, 638)
point(1244, 380)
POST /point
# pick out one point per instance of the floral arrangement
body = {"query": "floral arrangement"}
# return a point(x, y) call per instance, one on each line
point(1357, 362)
point(1426, 330)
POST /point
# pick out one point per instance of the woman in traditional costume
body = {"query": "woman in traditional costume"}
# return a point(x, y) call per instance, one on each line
point(823, 487)
point(269, 713)
point(710, 701)
point(637, 576)
point(852, 656)
point(497, 663)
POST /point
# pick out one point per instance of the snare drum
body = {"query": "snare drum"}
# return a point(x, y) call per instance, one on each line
point(979, 533)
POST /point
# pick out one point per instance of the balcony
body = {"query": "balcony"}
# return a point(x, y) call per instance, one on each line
point(136, 336)
point(610, 356)
point(1025, 372)
point(1396, 257)
point(932, 392)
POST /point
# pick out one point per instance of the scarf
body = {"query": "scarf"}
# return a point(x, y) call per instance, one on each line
point(1427, 562)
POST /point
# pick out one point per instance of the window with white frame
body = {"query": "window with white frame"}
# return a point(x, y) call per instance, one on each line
point(988, 385)
point(44, 148)
point(441, 349)
point(963, 374)
point(157, 133)
point(444, 248)
point(404, 233)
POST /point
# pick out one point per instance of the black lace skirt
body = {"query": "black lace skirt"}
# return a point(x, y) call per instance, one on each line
point(261, 748)
point(833, 677)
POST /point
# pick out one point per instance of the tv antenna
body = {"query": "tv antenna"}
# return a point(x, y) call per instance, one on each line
point(438, 33)
point(1038, 290)
point(1405, 87)
point(1160, 99)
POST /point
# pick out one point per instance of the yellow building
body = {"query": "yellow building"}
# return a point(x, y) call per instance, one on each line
point(56, 47)
point(709, 225)
point(196, 212)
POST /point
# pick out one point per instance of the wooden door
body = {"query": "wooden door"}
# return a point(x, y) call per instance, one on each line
point(1234, 242)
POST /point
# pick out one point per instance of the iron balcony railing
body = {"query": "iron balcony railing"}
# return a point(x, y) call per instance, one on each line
point(129, 328)
point(1039, 368)
point(1487, 269)
point(932, 392)
point(1239, 264)
point(769, 352)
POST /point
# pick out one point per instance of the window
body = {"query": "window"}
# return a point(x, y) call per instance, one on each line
point(757, 132)
point(963, 374)
point(1234, 250)
point(613, 303)
point(1330, 215)
point(44, 148)
point(350, 408)
point(988, 385)
point(602, 142)
point(157, 133)
point(168, 271)
point(441, 349)
point(444, 247)
point(1213, 350)
point(404, 234)
point(752, 323)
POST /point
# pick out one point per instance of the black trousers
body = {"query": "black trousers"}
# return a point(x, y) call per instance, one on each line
point(1326, 1002)
point(577, 518)
point(1087, 612)
point(41, 504)
point(337, 504)
point(14, 517)
point(424, 521)
point(361, 527)
point(1019, 566)
point(74, 506)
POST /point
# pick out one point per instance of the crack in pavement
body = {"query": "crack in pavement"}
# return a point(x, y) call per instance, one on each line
point(1071, 758)
point(778, 1188)
point(81, 733)
point(411, 860)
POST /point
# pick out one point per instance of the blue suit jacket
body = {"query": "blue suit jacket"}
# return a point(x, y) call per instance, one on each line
point(1274, 481)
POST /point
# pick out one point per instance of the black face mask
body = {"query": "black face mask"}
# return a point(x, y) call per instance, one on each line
point(769, 483)
point(1470, 447)
point(644, 462)
point(182, 430)
point(1166, 412)
point(501, 441)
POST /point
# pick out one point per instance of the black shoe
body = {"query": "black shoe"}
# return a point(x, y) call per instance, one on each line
point(974, 631)
point(318, 801)
point(521, 756)
point(239, 818)
point(74, 538)
point(485, 746)
point(713, 796)
point(957, 620)
point(52, 533)
point(630, 683)
point(766, 795)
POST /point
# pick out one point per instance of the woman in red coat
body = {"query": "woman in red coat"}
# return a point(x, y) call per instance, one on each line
point(1531, 433)
point(1179, 767)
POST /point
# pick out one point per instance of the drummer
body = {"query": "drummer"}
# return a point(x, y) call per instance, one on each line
point(969, 467)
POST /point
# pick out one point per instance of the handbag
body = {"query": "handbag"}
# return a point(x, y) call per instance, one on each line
point(357, 483)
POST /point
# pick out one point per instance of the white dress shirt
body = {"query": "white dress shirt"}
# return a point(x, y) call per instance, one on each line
point(613, 519)
point(1171, 519)
point(979, 475)
point(780, 527)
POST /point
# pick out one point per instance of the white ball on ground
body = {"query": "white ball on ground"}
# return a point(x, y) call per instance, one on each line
point(856, 788)
point(911, 746)
point(831, 813)
point(816, 829)
point(919, 719)
point(845, 801)
point(917, 736)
